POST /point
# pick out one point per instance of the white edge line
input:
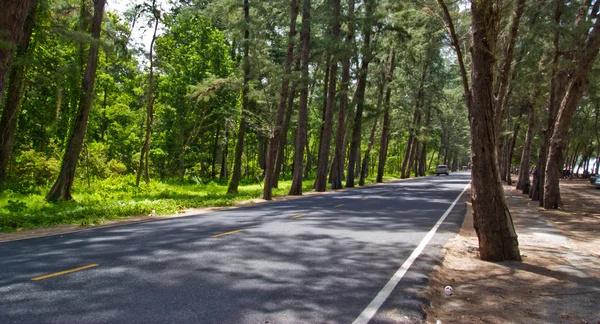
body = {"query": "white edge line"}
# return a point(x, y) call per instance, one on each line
point(385, 292)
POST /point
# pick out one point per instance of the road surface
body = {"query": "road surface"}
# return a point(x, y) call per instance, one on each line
point(342, 257)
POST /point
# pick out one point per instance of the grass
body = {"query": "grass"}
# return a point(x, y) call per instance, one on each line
point(118, 197)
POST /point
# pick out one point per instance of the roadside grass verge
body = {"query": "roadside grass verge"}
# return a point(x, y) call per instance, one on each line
point(118, 197)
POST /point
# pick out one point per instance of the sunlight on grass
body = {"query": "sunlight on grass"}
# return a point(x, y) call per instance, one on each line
point(115, 198)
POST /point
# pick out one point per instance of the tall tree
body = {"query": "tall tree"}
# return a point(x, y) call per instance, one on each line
point(144, 155)
point(62, 187)
point(337, 173)
point(577, 86)
point(8, 122)
point(385, 131)
point(324, 148)
point(359, 99)
point(491, 217)
point(275, 137)
point(296, 188)
point(12, 19)
point(239, 147)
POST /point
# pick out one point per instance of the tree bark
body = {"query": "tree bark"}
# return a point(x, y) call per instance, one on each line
point(296, 188)
point(338, 158)
point(62, 187)
point(557, 86)
point(324, 148)
point(505, 71)
point(365, 162)
point(223, 172)
point(283, 96)
point(286, 126)
point(385, 131)
point(8, 121)
point(524, 184)
point(360, 97)
point(491, 217)
point(423, 159)
point(239, 146)
point(12, 19)
point(144, 155)
point(565, 116)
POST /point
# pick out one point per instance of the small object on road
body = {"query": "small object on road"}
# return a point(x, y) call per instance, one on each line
point(438, 322)
point(448, 290)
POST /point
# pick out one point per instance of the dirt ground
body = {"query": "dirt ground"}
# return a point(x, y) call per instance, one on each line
point(557, 282)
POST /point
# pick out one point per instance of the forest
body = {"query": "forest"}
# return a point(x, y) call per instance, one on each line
point(230, 100)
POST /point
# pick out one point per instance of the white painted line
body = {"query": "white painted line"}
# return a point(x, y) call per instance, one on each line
point(381, 297)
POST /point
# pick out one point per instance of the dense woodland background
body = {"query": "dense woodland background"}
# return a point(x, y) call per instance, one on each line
point(341, 91)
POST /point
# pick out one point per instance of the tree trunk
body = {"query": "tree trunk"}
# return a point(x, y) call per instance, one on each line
point(296, 188)
point(283, 96)
point(144, 156)
point(213, 164)
point(385, 131)
point(505, 71)
point(524, 183)
point(338, 158)
point(365, 162)
point(423, 159)
point(360, 97)
point(565, 116)
point(557, 86)
point(324, 148)
point(12, 20)
point(223, 173)
point(281, 157)
point(62, 187)
point(491, 217)
point(509, 151)
point(8, 121)
point(239, 146)
point(412, 139)
point(408, 150)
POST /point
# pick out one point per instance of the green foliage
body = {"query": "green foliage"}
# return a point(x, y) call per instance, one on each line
point(117, 197)
point(31, 171)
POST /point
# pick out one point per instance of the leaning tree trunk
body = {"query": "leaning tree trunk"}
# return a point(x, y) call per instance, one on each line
point(283, 96)
point(296, 188)
point(62, 187)
point(491, 217)
point(12, 19)
point(337, 173)
point(565, 116)
point(8, 122)
point(239, 146)
point(385, 132)
point(325, 147)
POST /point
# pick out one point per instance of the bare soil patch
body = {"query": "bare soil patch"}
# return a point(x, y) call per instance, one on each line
point(557, 282)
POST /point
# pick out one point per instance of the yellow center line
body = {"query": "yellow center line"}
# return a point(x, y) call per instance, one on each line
point(226, 233)
point(340, 205)
point(364, 198)
point(65, 272)
point(298, 216)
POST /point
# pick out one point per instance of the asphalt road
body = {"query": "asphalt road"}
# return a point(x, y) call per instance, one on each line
point(318, 259)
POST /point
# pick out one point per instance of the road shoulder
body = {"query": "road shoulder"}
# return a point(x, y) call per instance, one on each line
point(557, 282)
